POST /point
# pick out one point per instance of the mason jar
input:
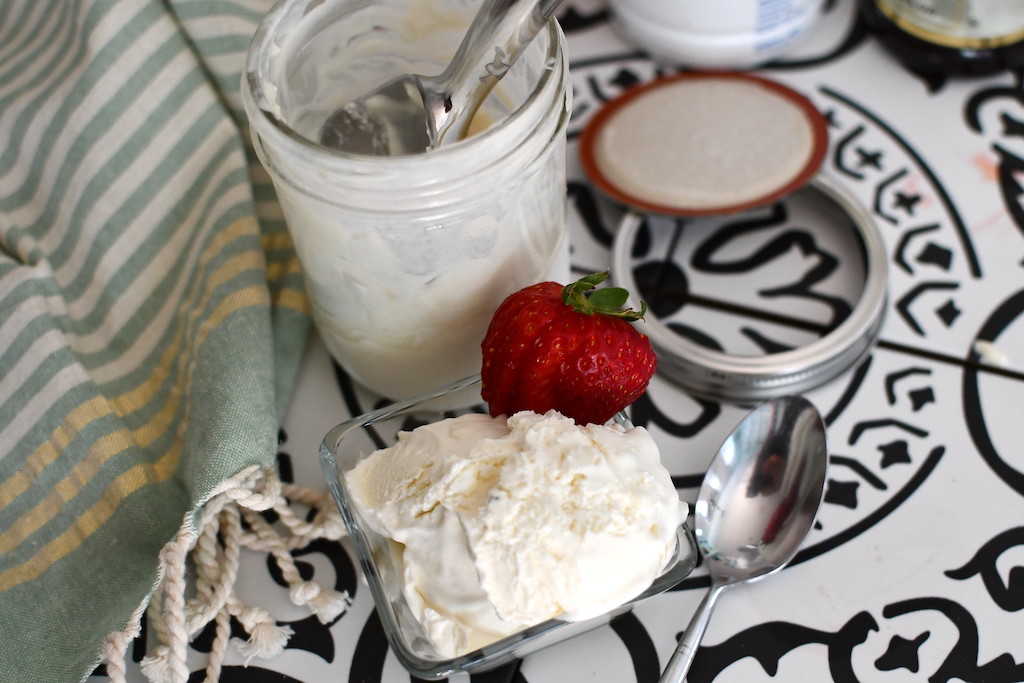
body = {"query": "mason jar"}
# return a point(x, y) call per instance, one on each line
point(406, 257)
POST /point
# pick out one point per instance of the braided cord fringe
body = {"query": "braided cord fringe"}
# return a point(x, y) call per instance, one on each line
point(214, 548)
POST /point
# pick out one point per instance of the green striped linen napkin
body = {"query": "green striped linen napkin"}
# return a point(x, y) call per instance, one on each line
point(152, 314)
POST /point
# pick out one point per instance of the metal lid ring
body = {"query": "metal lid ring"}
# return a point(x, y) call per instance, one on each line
point(719, 376)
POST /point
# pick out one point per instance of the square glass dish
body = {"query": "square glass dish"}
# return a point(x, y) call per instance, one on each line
point(355, 439)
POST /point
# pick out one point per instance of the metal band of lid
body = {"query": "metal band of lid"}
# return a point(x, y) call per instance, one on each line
point(719, 376)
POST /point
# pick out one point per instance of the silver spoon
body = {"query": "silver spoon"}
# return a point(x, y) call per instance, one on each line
point(411, 114)
point(755, 506)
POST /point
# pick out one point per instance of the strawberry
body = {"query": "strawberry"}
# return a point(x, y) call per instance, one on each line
point(572, 349)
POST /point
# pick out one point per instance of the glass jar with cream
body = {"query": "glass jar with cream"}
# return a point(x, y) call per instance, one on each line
point(406, 257)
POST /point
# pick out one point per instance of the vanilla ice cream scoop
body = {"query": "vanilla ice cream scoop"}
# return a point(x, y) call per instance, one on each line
point(501, 525)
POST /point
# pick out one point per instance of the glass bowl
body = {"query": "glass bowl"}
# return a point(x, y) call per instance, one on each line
point(353, 440)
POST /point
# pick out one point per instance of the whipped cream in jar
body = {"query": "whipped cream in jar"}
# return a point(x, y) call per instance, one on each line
point(406, 257)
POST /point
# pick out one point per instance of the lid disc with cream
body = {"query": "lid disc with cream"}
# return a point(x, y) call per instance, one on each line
point(704, 143)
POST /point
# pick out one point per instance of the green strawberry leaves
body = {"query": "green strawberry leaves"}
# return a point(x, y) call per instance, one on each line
point(584, 297)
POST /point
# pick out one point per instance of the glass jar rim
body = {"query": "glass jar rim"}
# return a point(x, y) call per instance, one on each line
point(259, 111)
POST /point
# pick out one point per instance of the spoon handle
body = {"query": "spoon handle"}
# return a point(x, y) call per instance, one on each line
point(500, 31)
point(682, 658)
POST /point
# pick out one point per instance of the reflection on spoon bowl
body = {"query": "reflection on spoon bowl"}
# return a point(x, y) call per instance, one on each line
point(755, 506)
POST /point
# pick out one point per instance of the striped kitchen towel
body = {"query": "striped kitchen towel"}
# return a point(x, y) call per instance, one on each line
point(152, 313)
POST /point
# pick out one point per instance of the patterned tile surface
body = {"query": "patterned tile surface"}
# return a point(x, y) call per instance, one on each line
point(913, 570)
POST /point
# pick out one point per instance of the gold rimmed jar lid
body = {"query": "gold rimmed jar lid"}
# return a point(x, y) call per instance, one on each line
point(708, 144)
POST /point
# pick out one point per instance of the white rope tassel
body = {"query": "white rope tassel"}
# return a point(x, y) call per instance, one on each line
point(215, 549)
point(220, 641)
point(326, 523)
point(115, 648)
point(266, 638)
point(326, 603)
point(157, 667)
point(167, 664)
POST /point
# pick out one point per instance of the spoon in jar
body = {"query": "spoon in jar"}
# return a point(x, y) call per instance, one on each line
point(755, 506)
point(411, 113)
